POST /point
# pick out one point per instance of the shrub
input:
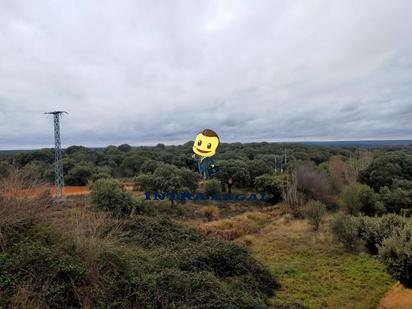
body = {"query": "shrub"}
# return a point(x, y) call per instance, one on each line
point(294, 200)
point(396, 199)
point(177, 288)
point(314, 212)
point(150, 232)
point(142, 207)
point(313, 183)
point(270, 184)
point(109, 195)
point(396, 253)
point(211, 213)
point(80, 174)
point(227, 260)
point(149, 166)
point(345, 229)
point(359, 198)
point(43, 267)
point(374, 230)
point(213, 187)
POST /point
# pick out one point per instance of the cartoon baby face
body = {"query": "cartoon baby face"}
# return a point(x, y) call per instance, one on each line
point(206, 143)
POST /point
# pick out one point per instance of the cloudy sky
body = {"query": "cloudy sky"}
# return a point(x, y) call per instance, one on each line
point(145, 72)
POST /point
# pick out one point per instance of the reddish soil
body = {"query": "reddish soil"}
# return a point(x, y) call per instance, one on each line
point(68, 190)
point(74, 190)
point(398, 297)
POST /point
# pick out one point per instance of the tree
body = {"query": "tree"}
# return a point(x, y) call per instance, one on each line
point(345, 229)
point(314, 212)
point(80, 174)
point(102, 172)
point(131, 164)
point(313, 183)
point(4, 168)
point(341, 173)
point(387, 168)
point(125, 147)
point(213, 187)
point(149, 166)
point(361, 198)
point(396, 199)
point(168, 179)
point(234, 170)
point(270, 184)
point(110, 195)
point(257, 168)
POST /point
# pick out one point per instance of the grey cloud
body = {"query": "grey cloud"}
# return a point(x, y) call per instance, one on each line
point(145, 72)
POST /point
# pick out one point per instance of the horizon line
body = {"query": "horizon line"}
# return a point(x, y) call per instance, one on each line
point(369, 140)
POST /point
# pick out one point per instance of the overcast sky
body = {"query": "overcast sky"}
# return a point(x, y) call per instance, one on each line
point(145, 72)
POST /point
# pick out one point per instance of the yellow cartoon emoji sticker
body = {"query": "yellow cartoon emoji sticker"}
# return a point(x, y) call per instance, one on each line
point(204, 147)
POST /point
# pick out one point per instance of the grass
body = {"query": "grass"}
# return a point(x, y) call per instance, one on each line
point(313, 270)
point(316, 272)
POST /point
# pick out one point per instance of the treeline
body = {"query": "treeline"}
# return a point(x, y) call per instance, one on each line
point(352, 179)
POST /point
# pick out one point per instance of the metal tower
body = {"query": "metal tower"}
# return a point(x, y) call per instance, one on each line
point(58, 162)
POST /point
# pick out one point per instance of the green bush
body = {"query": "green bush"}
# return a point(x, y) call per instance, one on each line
point(151, 232)
point(213, 187)
point(177, 268)
point(227, 260)
point(359, 198)
point(80, 174)
point(187, 289)
point(270, 184)
point(396, 199)
point(314, 212)
point(181, 268)
point(345, 229)
point(396, 253)
point(193, 253)
point(44, 269)
point(109, 195)
point(142, 207)
point(373, 230)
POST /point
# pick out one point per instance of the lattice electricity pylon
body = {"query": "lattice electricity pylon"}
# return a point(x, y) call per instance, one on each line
point(58, 156)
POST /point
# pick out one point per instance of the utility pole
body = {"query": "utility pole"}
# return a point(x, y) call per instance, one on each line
point(58, 156)
point(286, 158)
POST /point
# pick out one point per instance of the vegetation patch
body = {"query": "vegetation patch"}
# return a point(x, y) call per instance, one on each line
point(315, 271)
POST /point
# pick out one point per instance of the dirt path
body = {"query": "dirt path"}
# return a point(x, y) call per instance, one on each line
point(398, 297)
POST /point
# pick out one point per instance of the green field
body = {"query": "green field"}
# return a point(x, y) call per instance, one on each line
point(313, 270)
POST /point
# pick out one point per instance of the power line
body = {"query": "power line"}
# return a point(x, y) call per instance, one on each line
point(58, 155)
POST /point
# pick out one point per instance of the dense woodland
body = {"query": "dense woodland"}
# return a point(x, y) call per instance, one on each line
point(380, 179)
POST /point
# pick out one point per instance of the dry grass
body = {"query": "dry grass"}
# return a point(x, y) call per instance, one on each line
point(237, 226)
point(23, 298)
point(211, 213)
point(18, 211)
point(88, 230)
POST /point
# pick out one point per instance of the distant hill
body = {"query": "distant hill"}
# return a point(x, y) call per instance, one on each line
point(377, 143)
